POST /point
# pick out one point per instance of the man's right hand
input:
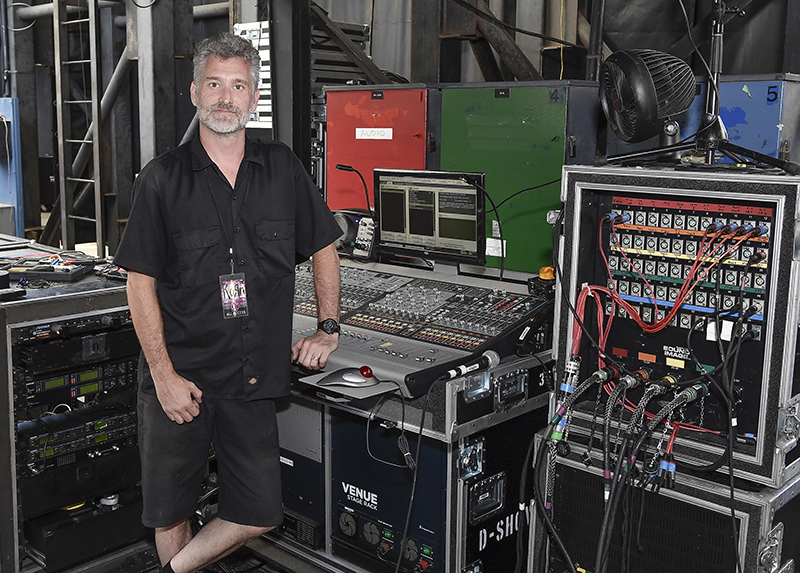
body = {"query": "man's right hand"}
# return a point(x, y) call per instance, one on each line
point(179, 398)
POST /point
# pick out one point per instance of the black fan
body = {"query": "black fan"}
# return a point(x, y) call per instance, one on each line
point(640, 89)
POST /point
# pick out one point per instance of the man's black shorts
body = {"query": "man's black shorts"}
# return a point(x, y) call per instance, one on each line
point(175, 460)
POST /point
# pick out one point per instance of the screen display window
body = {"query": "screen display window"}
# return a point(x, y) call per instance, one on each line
point(437, 215)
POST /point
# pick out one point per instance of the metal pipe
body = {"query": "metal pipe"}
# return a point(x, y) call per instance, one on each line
point(44, 10)
point(4, 39)
point(511, 54)
point(593, 59)
point(211, 10)
point(106, 103)
point(198, 12)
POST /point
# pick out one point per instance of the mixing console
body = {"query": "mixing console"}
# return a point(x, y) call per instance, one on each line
point(434, 311)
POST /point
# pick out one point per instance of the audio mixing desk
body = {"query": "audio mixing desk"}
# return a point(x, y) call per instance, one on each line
point(409, 326)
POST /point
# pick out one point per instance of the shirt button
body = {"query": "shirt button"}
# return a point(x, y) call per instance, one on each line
point(275, 234)
point(246, 329)
point(241, 262)
point(238, 229)
point(247, 361)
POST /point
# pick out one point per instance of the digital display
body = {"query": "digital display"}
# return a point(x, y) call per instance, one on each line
point(88, 389)
point(101, 425)
point(54, 383)
point(100, 438)
point(436, 215)
point(86, 376)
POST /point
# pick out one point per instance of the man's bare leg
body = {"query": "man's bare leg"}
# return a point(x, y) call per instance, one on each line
point(170, 540)
point(213, 542)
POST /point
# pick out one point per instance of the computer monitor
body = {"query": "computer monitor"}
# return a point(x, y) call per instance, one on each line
point(434, 215)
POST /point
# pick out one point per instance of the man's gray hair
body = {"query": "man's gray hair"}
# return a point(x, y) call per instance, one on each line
point(226, 46)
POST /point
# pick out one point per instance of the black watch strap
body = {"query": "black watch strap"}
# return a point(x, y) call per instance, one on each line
point(329, 326)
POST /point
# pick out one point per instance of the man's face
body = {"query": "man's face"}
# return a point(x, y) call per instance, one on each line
point(224, 96)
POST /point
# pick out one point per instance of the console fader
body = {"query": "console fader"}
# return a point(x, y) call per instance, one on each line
point(434, 311)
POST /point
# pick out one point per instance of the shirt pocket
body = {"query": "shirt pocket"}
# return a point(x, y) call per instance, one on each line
point(275, 247)
point(200, 258)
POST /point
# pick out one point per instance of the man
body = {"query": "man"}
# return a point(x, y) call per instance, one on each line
point(210, 249)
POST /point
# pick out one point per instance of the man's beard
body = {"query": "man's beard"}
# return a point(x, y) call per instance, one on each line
point(225, 124)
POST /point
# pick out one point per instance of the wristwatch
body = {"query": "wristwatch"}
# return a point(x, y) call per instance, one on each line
point(329, 326)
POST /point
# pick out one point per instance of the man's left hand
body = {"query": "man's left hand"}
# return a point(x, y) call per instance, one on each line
point(312, 352)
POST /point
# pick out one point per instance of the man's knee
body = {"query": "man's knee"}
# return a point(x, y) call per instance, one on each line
point(178, 528)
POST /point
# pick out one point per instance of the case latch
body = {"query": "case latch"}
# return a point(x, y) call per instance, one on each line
point(789, 425)
point(769, 554)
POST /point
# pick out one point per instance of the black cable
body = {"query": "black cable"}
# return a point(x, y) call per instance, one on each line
point(499, 226)
point(523, 482)
point(621, 475)
point(521, 191)
point(499, 222)
point(736, 345)
point(720, 461)
point(540, 507)
point(626, 532)
point(404, 539)
point(610, 403)
point(490, 18)
point(371, 26)
point(607, 525)
point(409, 463)
point(697, 49)
point(705, 65)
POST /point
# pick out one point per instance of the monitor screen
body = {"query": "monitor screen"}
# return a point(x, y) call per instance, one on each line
point(436, 215)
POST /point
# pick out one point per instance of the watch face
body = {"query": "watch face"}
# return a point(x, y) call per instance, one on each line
point(329, 326)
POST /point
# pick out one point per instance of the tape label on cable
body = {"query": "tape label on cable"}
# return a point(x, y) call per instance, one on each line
point(494, 247)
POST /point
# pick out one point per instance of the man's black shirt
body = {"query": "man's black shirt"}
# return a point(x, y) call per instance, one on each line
point(184, 220)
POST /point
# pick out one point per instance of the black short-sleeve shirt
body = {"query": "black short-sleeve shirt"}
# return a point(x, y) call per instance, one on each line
point(184, 220)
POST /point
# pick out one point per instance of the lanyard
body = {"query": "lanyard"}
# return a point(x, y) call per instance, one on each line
point(219, 214)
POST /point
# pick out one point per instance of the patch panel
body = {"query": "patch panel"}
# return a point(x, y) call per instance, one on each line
point(701, 272)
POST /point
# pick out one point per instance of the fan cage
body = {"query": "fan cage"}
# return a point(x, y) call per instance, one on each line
point(619, 96)
point(642, 88)
point(673, 79)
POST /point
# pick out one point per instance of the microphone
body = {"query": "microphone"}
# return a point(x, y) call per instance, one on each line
point(343, 167)
point(488, 359)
